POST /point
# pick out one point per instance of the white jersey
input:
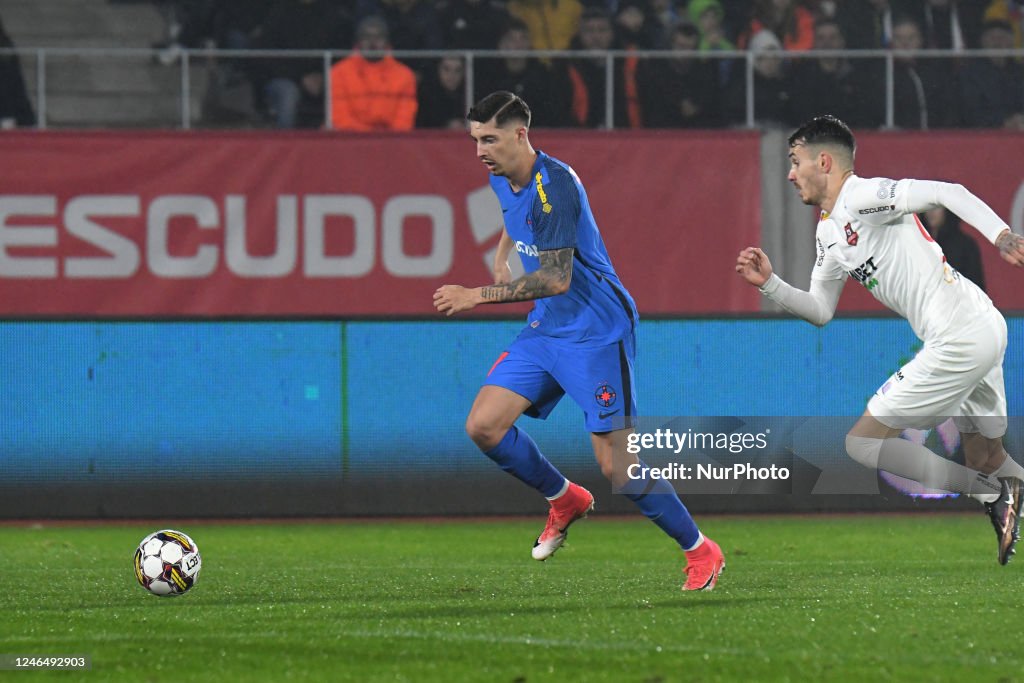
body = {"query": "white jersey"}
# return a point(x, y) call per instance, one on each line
point(872, 236)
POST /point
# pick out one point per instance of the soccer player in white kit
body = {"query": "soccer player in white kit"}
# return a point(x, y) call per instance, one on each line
point(868, 230)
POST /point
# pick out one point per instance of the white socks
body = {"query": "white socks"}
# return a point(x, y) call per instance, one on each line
point(699, 543)
point(1009, 468)
point(565, 488)
point(910, 460)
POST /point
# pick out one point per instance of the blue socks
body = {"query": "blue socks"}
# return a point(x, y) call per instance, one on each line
point(659, 502)
point(518, 455)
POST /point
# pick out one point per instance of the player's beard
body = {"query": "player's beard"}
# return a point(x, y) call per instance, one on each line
point(807, 195)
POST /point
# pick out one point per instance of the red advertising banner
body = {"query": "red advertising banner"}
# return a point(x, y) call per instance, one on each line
point(986, 163)
point(157, 224)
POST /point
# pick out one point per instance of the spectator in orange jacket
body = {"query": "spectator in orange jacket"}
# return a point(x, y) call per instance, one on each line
point(789, 20)
point(370, 89)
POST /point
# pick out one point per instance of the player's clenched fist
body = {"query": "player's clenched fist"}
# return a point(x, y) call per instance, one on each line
point(451, 299)
point(753, 266)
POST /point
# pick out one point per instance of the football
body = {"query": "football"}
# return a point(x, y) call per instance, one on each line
point(167, 562)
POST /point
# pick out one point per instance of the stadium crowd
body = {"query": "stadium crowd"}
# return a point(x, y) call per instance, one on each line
point(372, 90)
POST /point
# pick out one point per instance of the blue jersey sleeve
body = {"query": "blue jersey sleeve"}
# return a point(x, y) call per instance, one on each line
point(556, 210)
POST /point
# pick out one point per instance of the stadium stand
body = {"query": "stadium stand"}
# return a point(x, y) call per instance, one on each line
point(126, 63)
point(90, 89)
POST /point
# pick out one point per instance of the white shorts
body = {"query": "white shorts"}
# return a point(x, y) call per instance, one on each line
point(961, 378)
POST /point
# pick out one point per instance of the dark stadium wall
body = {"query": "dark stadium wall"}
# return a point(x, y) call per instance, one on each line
point(179, 419)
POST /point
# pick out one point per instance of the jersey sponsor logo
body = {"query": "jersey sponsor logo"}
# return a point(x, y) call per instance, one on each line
point(821, 252)
point(526, 249)
point(864, 274)
point(545, 207)
point(886, 189)
point(877, 209)
point(605, 395)
point(851, 235)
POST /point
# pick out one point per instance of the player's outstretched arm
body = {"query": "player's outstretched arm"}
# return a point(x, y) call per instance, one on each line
point(553, 277)
point(921, 195)
point(816, 306)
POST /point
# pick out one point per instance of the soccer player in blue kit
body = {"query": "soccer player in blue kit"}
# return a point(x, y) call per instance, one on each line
point(579, 340)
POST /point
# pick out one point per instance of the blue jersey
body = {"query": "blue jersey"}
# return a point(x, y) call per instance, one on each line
point(552, 212)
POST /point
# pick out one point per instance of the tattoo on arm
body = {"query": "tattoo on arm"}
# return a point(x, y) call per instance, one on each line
point(1008, 241)
point(551, 278)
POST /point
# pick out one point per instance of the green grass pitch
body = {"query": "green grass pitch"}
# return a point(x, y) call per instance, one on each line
point(852, 598)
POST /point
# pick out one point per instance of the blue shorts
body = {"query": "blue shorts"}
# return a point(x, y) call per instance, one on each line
point(598, 379)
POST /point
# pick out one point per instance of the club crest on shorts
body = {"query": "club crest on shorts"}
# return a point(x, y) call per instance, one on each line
point(605, 395)
point(851, 235)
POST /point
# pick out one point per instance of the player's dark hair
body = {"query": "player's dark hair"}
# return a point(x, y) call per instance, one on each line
point(502, 106)
point(824, 130)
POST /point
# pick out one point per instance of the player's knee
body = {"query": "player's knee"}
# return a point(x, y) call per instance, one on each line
point(486, 434)
point(864, 450)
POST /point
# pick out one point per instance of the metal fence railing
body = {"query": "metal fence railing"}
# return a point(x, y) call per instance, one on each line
point(56, 72)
